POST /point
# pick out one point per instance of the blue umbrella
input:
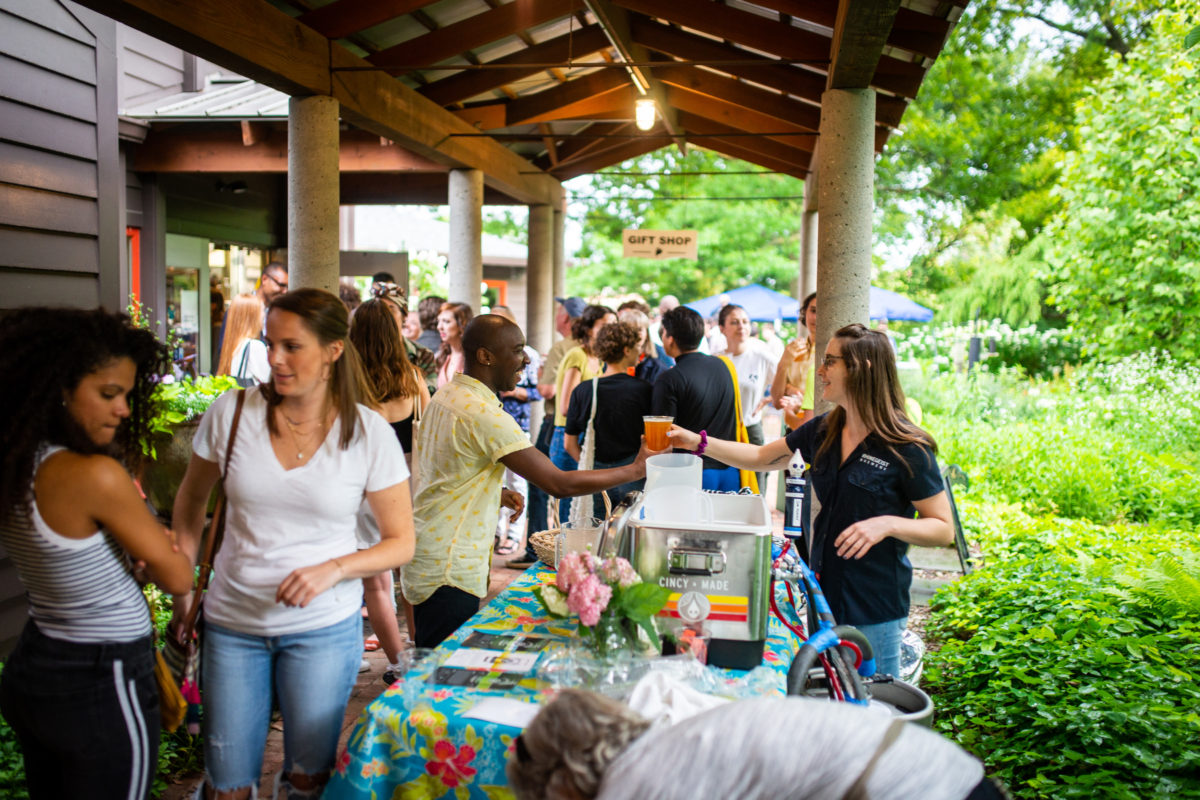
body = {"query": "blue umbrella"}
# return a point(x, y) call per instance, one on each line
point(767, 305)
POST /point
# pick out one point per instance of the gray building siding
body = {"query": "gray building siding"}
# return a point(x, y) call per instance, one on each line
point(60, 188)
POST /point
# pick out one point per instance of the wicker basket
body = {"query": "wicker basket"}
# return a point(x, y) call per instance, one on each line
point(543, 542)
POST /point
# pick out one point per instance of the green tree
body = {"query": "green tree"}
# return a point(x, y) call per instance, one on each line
point(1126, 243)
point(754, 240)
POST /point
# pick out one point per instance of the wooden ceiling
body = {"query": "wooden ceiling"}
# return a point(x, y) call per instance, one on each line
point(554, 82)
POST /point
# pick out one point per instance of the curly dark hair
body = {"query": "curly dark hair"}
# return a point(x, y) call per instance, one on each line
point(44, 354)
point(613, 340)
point(581, 327)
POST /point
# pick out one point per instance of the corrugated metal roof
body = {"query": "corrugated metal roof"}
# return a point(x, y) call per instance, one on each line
point(225, 97)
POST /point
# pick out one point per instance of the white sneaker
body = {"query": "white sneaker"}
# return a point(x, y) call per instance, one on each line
point(364, 666)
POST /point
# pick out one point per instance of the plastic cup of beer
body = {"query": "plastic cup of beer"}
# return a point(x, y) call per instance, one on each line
point(656, 432)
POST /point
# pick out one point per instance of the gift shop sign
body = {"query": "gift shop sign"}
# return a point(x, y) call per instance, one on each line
point(659, 244)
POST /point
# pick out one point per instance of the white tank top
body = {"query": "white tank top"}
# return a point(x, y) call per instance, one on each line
point(79, 590)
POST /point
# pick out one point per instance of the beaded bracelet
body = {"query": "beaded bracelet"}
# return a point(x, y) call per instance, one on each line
point(703, 443)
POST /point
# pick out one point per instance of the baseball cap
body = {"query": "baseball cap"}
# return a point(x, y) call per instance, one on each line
point(573, 305)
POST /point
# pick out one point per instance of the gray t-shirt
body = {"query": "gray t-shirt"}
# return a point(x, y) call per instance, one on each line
point(779, 748)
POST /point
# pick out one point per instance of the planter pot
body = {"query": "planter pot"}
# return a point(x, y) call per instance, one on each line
point(162, 476)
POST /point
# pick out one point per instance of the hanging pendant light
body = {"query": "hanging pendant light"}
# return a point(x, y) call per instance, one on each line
point(644, 112)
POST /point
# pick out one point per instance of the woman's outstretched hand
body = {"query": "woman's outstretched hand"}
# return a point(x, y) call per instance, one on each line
point(682, 438)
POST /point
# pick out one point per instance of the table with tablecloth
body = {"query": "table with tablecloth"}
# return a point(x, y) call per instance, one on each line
point(435, 751)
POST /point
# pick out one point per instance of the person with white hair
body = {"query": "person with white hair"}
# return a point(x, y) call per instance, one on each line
point(583, 745)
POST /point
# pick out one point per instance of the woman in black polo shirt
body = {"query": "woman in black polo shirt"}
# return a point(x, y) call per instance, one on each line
point(874, 472)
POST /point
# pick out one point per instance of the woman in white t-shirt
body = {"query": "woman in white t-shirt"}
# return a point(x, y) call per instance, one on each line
point(243, 354)
point(282, 614)
point(755, 369)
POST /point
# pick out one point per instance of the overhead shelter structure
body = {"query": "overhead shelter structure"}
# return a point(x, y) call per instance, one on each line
point(509, 98)
point(459, 101)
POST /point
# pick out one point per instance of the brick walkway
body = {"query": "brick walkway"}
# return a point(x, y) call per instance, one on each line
point(369, 686)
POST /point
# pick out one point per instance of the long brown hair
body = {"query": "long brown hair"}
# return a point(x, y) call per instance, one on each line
point(243, 321)
point(325, 316)
point(873, 386)
point(385, 363)
point(462, 315)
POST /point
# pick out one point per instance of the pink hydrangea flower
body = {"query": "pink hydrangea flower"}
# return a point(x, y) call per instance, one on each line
point(619, 571)
point(589, 598)
point(572, 569)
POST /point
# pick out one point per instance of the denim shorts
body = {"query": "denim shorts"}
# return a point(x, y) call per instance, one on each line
point(86, 715)
point(312, 673)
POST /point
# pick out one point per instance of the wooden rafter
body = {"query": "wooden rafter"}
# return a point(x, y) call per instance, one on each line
point(750, 97)
point(631, 148)
point(543, 105)
point(470, 83)
point(729, 148)
point(741, 118)
point(490, 26)
point(701, 128)
point(342, 18)
point(572, 149)
point(615, 22)
point(764, 71)
point(265, 44)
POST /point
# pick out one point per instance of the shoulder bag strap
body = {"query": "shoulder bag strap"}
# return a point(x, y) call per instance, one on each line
point(858, 789)
point(241, 371)
point(212, 543)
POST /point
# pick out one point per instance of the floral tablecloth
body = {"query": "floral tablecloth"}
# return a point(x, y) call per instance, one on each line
point(437, 752)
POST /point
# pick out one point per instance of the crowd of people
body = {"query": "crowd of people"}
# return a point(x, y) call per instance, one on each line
point(366, 440)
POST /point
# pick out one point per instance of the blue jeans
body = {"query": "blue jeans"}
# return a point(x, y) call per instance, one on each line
point(538, 512)
point(885, 641)
point(312, 673)
point(564, 461)
point(721, 480)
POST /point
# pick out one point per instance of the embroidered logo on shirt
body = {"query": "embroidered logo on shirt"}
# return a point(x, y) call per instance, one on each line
point(877, 463)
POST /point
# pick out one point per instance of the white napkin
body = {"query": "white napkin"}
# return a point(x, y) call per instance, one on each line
point(664, 700)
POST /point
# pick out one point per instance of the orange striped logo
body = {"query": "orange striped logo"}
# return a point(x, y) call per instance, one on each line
point(722, 608)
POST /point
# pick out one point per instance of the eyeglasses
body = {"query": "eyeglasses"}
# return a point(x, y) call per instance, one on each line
point(828, 361)
point(281, 284)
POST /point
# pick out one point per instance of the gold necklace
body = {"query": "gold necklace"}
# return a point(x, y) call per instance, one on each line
point(291, 426)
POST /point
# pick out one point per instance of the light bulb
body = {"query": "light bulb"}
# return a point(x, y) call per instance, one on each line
point(644, 113)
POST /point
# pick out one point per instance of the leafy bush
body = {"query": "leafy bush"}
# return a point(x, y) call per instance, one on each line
point(1036, 351)
point(177, 402)
point(1066, 681)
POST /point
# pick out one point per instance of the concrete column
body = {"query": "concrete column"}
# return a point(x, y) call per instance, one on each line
point(808, 239)
point(845, 197)
point(539, 297)
point(313, 193)
point(559, 259)
point(466, 237)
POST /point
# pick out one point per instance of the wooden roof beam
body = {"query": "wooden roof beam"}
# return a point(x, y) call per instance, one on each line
point(699, 127)
point(631, 148)
point(473, 32)
point(470, 83)
point(615, 22)
point(342, 18)
point(542, 105)
point(753, 98)
point(572, 149)
point(778, 38)
point(918, 33)
point(736, 117)
point(766, 71)
point(257, 40)
point(729, 148)
point(217, 147)
point(859, 38)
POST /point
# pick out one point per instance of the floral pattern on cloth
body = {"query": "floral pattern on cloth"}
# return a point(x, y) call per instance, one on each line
point(436, 752)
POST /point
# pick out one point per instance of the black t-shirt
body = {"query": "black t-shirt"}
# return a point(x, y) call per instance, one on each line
point(871, 483)
point(698, 392)
point(621, 402)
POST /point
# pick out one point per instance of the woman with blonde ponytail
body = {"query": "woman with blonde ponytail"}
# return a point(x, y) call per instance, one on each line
point(282, 613)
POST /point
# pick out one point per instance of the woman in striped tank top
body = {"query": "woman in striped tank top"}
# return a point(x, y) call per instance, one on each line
point(79, 688)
